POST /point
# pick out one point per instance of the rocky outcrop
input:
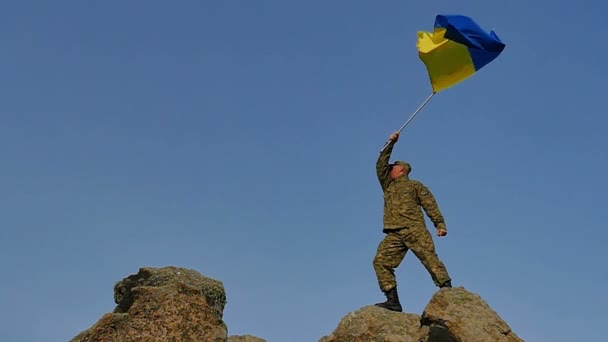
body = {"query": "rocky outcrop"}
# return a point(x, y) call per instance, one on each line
point(164, 304)
point(178, 304)
point(245, 338)
point(372, 323)
point(452, 315)
point(458, 315)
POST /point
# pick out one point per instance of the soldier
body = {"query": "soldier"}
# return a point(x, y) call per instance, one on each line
point(404, 226)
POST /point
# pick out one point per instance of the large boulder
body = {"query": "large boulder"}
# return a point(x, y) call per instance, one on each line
point(163, 304)
point(452, 315)
point(455, 315)
point(372, 323)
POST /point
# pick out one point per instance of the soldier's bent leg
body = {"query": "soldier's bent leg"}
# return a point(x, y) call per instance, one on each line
point(421, 243)
point(391, 252)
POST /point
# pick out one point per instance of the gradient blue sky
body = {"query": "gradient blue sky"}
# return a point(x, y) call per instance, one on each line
point(239, 138)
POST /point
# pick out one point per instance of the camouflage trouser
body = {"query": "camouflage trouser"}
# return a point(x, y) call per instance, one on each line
point(392, 249)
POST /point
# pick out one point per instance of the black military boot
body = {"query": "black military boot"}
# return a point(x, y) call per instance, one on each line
point(392, 301)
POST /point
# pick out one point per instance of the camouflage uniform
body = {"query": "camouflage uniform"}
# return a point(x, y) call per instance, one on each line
point(404, 225)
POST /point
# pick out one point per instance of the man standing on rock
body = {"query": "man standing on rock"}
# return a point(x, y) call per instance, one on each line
point(404, 226)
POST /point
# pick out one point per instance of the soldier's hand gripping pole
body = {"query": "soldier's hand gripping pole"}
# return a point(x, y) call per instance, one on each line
point(411, 117)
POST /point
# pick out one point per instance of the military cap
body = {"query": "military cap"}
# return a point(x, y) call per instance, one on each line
point(405, 164)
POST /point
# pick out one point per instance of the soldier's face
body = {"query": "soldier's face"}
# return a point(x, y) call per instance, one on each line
point(397, 171)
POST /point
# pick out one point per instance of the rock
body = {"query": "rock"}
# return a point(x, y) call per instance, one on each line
point(458, 315)
point(452, 315)
point(163, 304)
point(372, 323)
point(178, 304)
point(245, 338)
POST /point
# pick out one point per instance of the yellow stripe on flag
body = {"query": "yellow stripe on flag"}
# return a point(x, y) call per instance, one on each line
point(447, 62)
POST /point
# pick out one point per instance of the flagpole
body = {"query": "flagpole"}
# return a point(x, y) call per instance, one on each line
point(411, 117)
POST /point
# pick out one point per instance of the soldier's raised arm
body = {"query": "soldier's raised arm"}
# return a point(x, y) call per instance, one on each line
point(430, 206)
point(382, 165)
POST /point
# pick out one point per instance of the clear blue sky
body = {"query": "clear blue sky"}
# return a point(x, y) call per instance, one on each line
point(239, 138)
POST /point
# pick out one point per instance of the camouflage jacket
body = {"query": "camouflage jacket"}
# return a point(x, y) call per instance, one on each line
point(404, 197)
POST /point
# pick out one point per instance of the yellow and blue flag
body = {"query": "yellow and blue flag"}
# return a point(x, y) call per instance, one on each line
point(456, 50)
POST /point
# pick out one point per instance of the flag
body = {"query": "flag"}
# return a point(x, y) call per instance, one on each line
point(456, 49)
